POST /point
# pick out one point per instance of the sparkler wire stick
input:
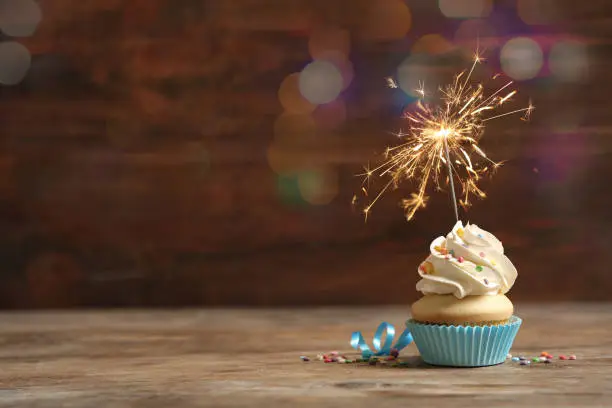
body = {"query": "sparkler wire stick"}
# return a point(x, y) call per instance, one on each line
point(450, 179)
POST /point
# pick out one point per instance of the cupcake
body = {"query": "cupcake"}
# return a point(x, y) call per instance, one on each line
point(464, 318)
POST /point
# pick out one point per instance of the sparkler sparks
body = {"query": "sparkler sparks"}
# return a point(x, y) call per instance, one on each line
point(391, 83)
point(442, 138)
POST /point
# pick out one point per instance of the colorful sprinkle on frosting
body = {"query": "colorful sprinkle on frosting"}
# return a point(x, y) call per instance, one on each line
point(452, 263)
point(427, 268)
point(441, 250)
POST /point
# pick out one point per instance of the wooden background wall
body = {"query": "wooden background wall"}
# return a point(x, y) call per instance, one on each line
point(135, 159)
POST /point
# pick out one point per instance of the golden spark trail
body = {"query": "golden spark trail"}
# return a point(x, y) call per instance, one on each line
point(441, 146)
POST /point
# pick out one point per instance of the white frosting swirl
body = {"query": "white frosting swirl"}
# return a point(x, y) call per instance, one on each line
point(469, 261)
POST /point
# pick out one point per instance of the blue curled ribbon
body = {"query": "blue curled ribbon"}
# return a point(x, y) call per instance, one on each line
point(357, 341)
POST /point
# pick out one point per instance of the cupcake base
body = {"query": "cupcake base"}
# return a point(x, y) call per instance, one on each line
point(464, 346)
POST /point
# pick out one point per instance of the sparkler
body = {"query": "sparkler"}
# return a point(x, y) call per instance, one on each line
point(444, 139)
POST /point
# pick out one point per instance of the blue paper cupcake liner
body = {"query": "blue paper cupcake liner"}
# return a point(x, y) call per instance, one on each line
point(464, 346)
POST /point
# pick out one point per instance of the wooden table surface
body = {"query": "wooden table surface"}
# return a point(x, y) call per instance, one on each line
point(250, 358)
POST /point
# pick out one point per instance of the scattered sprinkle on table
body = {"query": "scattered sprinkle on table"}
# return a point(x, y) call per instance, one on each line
point(392, 359)
point(545, 357)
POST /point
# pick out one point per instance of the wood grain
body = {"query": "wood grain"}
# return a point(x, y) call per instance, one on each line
point(250, 358)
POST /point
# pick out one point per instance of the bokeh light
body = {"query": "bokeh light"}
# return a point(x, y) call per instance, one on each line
point(294, 129)
point(415, 70)
point(318, 186)
point(476, 33)
point(19, 18)
point(320, 82)
point(568, 61)
point(521, 58)
point(288, 190)
point(290, 97)
point(281, 159)
point(431, 44)
point(386, 20)
point(15, 60)
point(535, 12)
point(329, 41)
point(343, 65)
point(330, 115)
point(465, 8)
